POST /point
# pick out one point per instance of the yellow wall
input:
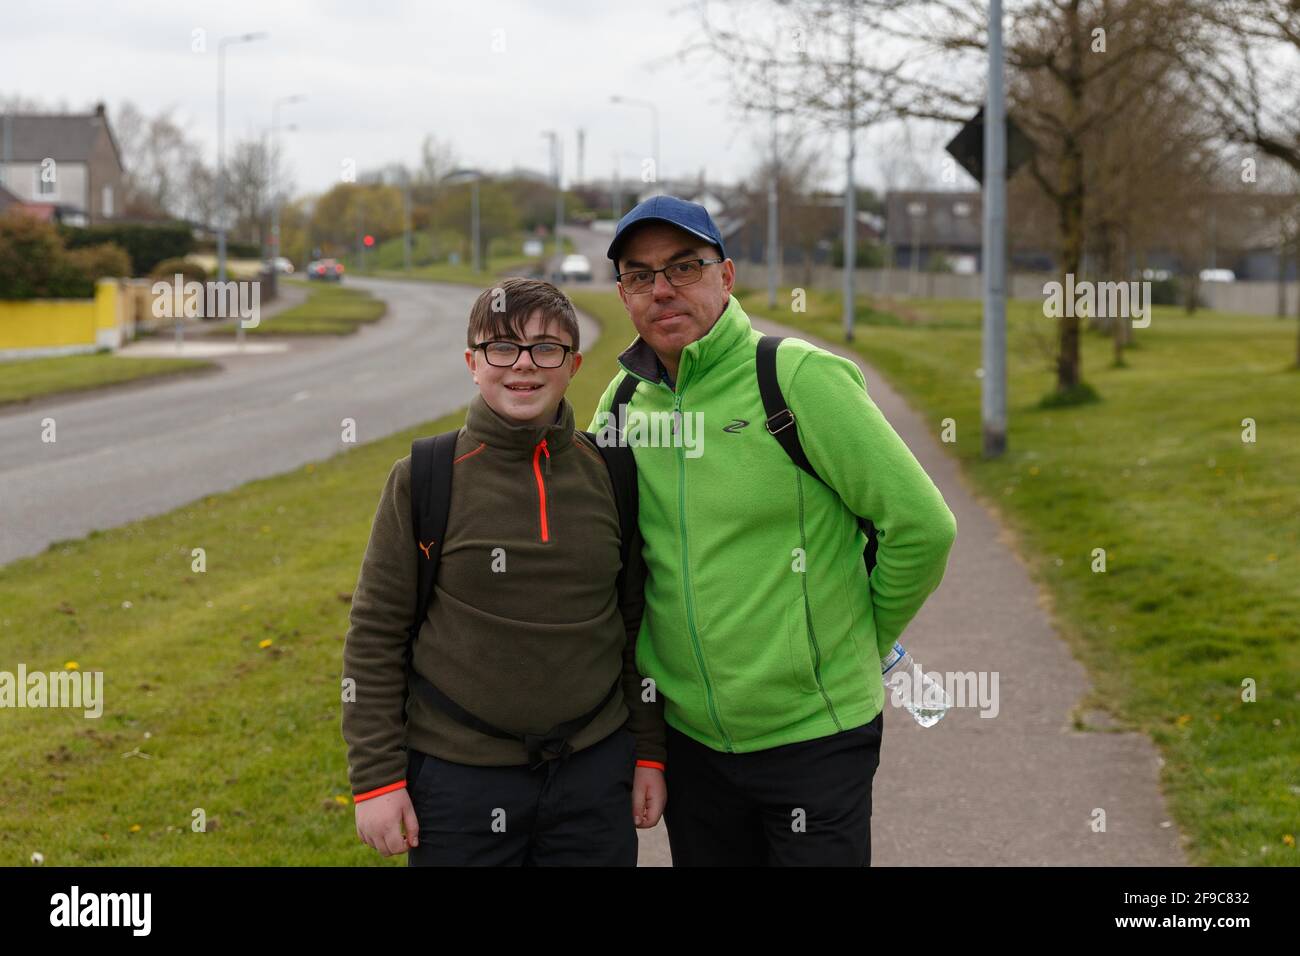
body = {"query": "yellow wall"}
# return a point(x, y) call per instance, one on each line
point(53, 323)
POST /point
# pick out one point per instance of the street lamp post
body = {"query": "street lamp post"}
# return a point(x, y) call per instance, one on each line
point(557, 157)
point(275, 162)
point(654, 128)
point(221, 144)
point(472, 176)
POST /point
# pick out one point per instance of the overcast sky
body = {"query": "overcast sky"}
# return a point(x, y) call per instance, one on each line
point(380, 76)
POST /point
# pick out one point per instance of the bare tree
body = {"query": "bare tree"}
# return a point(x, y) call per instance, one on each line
point(1076, 66)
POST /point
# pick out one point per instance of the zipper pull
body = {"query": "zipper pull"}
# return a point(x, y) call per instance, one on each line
point(547, 452)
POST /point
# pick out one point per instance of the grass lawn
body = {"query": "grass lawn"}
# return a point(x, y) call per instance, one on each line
point(26, 379)
point(1201, 589)
point(503, 258)
point(228, 680)
point(330, 309)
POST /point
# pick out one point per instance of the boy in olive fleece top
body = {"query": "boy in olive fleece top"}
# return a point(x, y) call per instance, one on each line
point(525, 629)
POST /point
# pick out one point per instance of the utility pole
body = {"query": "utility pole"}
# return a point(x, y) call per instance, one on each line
point(557, 159)
point(221, 152)
point(275, 166)
point(993, 393)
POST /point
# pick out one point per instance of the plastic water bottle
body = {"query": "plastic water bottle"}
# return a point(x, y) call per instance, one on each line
point(912, 688)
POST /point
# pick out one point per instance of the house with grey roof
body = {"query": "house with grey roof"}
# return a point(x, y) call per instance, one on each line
point(65, 166)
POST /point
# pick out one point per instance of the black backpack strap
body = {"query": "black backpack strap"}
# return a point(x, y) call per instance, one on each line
point(781, 424)
point(432, 461)
point(621, 463)
point(780, 420)
point(431, 465)
point(622, 396)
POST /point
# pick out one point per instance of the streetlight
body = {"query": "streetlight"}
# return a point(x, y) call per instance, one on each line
point(472, 176)
point(654, 127)
point(275, 162)
point(221, 143)
point(557, 156)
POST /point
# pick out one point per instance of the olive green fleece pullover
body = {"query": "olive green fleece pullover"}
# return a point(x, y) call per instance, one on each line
point(525, 628)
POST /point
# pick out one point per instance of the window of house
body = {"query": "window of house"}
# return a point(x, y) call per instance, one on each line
point(106, 201)
point(961, 209)
point(43, 186)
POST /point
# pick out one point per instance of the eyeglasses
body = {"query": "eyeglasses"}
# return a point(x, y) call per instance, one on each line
point(680, 273)
point(543, 354)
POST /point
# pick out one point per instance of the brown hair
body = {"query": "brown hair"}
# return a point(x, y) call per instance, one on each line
point(521, 298)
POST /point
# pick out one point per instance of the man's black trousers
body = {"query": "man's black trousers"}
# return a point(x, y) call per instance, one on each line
point(801, 804)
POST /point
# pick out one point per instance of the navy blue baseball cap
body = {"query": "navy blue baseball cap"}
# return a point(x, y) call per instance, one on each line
point(690, 216)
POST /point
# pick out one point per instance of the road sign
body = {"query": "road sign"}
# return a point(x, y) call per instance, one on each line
point(967, 147)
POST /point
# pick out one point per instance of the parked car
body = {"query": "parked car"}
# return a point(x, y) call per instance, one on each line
point(1218, 275)
point(281, 265)
point(576, 267)
point(328, 270)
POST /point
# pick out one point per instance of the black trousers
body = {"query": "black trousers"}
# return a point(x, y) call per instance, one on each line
point(571, 812)
point(801, 804)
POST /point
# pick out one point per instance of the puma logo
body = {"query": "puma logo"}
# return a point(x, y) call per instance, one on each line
point(425, 547)
point(736, 425)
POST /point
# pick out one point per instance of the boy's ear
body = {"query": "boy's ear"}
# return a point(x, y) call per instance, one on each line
point(471, 364)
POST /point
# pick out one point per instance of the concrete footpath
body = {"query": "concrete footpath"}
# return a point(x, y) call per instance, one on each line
point(1019, 788)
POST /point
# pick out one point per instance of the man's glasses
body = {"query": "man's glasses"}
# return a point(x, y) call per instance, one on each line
point(543, 354)
point(679, 273)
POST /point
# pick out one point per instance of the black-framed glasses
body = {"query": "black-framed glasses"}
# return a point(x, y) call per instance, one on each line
point(544, 354)
point(682, 272)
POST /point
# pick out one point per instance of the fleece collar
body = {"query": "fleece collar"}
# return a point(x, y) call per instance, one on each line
point(731, 328)
point(485, 426)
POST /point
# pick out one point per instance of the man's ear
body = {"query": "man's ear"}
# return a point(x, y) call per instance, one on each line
point(728, 275)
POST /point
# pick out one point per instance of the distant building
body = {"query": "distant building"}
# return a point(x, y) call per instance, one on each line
point(63, 167)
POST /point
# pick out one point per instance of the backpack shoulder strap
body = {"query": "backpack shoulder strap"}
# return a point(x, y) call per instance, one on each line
point(780, 423)
point(622, 396)
point(780, 420)
point(431, 466)
point(621, 463)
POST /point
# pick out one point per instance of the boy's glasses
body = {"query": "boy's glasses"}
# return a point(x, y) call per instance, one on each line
point(677, 273)
point(543, 354)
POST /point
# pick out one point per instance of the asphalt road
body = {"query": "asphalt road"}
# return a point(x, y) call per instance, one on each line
point(124, 454)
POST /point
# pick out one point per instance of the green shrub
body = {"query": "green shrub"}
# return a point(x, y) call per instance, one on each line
point(146, 243)
point(168, 268)
point(35, 265)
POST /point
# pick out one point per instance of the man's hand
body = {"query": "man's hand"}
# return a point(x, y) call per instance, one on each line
point(649, 794)
point(380, 821)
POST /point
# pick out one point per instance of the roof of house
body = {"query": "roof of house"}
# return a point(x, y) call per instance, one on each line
point(946, 219)
point(62, 137)
point(8, 199)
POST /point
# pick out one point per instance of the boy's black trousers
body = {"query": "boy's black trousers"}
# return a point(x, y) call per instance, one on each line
point(800, 804)
point(571, 812)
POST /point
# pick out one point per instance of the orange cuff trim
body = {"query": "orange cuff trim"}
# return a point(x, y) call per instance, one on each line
point(650, 763)
point(380, 791)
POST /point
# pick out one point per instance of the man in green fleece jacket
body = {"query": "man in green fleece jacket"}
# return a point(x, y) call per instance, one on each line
point(762, 630)
point(526, 629)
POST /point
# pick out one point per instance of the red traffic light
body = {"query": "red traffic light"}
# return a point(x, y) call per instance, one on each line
point(369, 241)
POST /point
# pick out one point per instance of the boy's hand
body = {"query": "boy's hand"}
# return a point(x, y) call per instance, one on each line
point(380, 821)
point(649, 794)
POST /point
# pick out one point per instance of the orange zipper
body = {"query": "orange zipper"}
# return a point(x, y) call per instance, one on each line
point(541, 486)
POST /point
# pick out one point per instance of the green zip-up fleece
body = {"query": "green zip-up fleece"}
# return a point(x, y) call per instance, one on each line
point(761, 627)
point(525, 629)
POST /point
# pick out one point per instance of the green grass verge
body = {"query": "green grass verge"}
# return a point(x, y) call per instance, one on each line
point(329, 310)
point(504, 258)
point(1202, 583)
point(25, 379)
point(246, 732)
